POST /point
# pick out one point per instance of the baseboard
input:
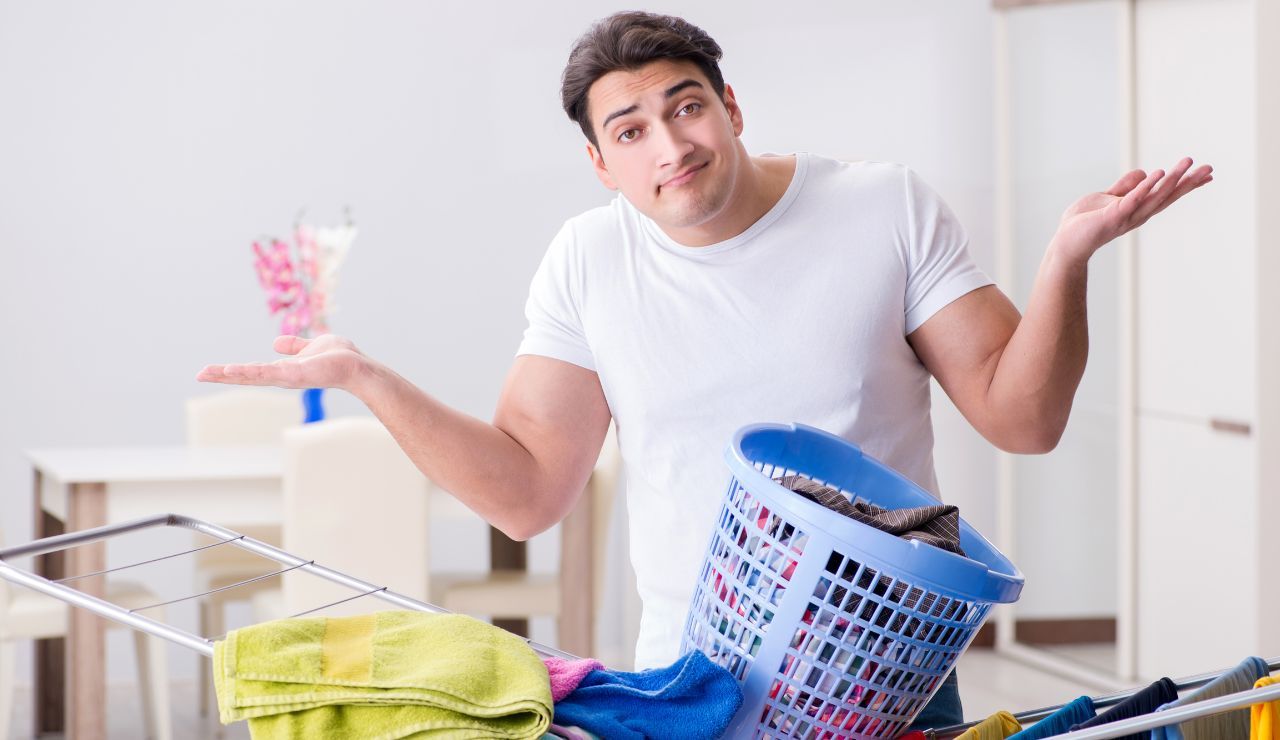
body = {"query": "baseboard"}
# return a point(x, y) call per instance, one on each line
point(1042, 631)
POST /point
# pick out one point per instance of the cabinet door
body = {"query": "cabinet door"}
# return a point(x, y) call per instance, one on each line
point(1196, 88)
point(1197, 548)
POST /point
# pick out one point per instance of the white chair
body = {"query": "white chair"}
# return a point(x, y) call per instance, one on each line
point(241, 416)
point(28, 615)
point(343, 478)
point(354, 502)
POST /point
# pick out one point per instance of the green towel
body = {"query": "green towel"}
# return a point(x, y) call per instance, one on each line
point(394, 674)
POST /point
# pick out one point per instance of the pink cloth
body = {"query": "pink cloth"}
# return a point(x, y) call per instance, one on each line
point(567, 674)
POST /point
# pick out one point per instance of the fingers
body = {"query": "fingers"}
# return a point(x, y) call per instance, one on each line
point(1169, 184)
point(1177, 184)
point(1201, 175)
point(281, 373)
point(1126, 183)
point(1135, 197)
point(1160, 191)
point(289, 344)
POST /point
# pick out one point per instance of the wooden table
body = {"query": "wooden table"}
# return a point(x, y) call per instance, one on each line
point(77, 489)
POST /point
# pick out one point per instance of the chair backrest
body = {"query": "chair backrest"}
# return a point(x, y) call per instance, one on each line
point(354, 502)
point(243, 416)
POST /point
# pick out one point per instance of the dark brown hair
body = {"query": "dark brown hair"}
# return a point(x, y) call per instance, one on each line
point(628, 41)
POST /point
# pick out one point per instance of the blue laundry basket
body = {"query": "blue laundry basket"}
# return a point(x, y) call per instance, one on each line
point(834, 629)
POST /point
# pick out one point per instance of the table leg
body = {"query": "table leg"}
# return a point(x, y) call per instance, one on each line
point(508, 554)
point(50, 655)
point(86, 633)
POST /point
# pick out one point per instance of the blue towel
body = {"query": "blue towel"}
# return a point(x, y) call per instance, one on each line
point(1223, 726)
point(1079, 711)
point(691, 699)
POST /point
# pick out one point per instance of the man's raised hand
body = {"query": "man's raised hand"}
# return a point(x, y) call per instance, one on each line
point(328, 361)
point(1098, 218)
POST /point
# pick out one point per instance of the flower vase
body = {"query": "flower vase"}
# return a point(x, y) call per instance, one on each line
point(313, 405)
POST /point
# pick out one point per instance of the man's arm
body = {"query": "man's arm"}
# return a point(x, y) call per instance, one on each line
point(1014, 378)
point(522, 473)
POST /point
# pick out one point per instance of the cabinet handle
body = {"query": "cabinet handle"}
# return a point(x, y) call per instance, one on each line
point(1231, 427)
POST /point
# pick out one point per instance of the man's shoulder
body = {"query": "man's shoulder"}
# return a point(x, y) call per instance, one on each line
point(867, 186)
point(590, 236)
point(603, 219)
point(860, 172)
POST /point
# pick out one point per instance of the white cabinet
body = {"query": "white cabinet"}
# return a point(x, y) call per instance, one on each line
point(1193, 315)
point(1196, 85)
point(1197, 548)
point(1208, 345)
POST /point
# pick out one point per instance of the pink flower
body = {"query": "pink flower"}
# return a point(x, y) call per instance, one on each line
point(301, 290)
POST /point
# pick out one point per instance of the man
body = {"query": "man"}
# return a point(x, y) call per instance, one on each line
point(722, 289)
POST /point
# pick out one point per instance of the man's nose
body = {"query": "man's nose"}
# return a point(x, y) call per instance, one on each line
point(672, 147)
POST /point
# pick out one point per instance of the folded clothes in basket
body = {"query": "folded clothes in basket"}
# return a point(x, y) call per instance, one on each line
point(935, 525)
point(393, 674)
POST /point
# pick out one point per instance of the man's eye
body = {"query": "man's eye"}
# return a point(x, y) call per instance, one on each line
point(692, 108)
point(628, 135)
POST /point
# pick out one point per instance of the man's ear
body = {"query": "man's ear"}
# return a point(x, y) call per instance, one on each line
point(735, 113)
point(602, 172)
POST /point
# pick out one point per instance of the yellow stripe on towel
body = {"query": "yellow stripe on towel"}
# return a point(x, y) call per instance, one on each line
point(347, 649)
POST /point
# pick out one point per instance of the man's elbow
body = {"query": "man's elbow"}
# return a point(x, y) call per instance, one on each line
point(1032, 439)
point(526, 523)
point(520, 530)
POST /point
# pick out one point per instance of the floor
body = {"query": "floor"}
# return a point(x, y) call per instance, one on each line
point(988, 682)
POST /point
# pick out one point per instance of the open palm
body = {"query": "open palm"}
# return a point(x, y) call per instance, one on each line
point(328, 361)
point(1097, 218)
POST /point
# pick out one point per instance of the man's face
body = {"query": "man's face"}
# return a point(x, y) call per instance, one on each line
point(666, 141)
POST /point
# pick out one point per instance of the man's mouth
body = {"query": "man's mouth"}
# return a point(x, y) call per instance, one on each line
point(684, 177)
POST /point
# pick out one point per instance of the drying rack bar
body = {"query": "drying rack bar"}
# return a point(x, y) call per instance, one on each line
point(227, 537)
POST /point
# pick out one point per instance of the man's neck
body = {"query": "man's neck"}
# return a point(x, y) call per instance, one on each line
point(761, 183)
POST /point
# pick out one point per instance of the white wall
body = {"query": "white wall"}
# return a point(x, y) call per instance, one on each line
point(144, 144)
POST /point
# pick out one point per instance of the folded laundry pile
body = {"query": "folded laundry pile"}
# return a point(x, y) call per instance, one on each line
point(937, 525)
point(393, 674)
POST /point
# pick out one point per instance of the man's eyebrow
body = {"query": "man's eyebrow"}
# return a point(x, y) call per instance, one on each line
point(669, 93)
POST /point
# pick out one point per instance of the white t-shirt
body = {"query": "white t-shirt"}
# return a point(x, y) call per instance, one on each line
point(803, 318)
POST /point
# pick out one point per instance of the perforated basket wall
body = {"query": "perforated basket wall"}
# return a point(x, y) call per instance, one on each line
point(835, 629)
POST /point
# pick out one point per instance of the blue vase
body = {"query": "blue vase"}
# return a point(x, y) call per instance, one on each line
point(313, 405)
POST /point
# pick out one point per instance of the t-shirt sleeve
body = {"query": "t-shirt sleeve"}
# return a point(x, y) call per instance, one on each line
point(939, 266)
point(554, 306)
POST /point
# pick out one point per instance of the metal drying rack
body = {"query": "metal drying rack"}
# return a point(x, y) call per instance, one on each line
point(1150, 720)
point(225, 537)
